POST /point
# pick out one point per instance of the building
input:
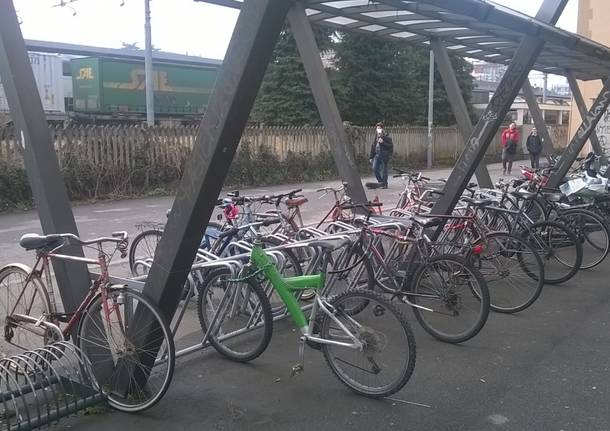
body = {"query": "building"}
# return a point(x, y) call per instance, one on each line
point(592, 23)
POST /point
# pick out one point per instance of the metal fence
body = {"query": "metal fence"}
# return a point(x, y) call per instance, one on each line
point(120, 145)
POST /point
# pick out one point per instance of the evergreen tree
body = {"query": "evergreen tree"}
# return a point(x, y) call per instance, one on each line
point(285, 97)
point(388, 81)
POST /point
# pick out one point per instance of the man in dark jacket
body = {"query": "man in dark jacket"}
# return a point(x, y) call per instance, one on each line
point(534, 147)
point(381, 151)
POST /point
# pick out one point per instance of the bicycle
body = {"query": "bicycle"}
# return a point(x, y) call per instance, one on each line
point(347, 328)
point(449, 297)
point(104, 322)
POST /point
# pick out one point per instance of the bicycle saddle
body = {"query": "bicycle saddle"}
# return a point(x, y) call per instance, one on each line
point(33, 241)
point(427, 222)
point(552, 196)
point(524, 194)
point(330, 244)
point(477, 202)
point(296, 202)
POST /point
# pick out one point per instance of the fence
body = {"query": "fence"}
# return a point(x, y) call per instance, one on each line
point(169, 146)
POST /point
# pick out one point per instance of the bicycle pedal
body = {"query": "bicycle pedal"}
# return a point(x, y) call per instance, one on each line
point(298, 368)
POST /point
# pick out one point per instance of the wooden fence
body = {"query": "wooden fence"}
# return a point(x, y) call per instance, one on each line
point(168, 146)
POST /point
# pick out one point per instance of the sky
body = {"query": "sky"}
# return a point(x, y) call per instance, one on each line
point(180, 26)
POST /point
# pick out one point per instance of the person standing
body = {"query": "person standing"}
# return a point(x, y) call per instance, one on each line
point(534, 147)
point(510, 140)
point(381, 151)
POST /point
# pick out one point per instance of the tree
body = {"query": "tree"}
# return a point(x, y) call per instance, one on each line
point(285, 96)
point(380, 80)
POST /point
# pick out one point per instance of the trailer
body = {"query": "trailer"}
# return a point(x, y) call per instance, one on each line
point(111, 86)
point(48, 73)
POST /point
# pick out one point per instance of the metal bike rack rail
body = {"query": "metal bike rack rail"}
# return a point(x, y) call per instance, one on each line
point(208, 261)
point(42, 386)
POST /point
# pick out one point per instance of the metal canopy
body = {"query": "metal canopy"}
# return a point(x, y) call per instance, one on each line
point(477, 29)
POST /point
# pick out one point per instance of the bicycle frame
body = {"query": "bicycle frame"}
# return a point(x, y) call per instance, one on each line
point(43, 260)
point(286, 287)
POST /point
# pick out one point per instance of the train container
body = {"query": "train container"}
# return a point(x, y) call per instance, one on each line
point(115, 86)
point(48, 73)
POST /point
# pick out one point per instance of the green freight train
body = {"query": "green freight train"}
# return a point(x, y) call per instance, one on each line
point(109, 86)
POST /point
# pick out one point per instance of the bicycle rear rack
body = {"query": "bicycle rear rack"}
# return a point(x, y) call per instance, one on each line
point(41, 386)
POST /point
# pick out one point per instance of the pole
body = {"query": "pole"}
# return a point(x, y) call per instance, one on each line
point(148, 67)
point(544, 88)
point(430, 108)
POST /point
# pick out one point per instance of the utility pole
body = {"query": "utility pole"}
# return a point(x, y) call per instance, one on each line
point(430, 108)
point(544, 88)
point(148, 67)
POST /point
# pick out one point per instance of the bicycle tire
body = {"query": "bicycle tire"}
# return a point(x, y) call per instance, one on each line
point(372, 340)
point(351, 263)
point(540, 235)
point(143, 248)
point(258, 309)
point(527, 266)
point(128, 397)
point(592, 232)
point(34, 302)
point(446, 328)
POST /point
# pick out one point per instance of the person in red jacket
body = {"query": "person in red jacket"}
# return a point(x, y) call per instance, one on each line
point(510, 141)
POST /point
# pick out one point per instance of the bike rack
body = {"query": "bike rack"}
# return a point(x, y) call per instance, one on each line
point(207, 261)
point(42, 386)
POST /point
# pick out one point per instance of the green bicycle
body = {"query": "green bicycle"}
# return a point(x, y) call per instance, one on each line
point(364, 338)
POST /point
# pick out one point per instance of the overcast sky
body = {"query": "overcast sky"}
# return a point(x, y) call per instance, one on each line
point(181, 26)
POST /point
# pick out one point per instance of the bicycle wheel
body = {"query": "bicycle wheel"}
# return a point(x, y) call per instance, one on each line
point(512, 269)
point(349, 268)
point(559, 248)
point(244, 321)
point(130, 346)
point(386, 360)
point(30, 300)
point(142, 251)
point(457, 295)
point(592, 233)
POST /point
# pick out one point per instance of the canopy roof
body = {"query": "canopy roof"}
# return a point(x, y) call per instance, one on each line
point(477, 29)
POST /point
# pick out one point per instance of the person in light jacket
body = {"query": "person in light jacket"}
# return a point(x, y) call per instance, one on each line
point(382, 149)
point(534, 147)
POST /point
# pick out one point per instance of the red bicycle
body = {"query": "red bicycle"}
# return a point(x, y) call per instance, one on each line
point(122, 333)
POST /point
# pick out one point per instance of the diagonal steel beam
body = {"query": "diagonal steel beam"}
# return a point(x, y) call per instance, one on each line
point(499, 105)
point(532, 104)
point(39, 154)
point(325, 101)
point(587, 127)
point(582, 109)
point(458, 105)
point(240, 77)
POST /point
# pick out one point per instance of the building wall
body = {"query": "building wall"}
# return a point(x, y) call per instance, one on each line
point(593, 24)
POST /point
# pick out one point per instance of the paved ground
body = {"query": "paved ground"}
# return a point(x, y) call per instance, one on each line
point(546, 368)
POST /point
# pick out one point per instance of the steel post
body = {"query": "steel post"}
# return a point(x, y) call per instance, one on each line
point(148, 67)
point(325, 101)
point(458, 105)
point(539, 122)
point(589, 122)
point(430, 108)
point(484, 131)
point(582, 109)
point(39, 155)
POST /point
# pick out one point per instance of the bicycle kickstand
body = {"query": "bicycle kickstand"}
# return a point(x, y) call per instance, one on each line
point(299, 367)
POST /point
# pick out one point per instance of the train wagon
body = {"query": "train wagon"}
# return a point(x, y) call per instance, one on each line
point(47, 70)
point(110, 86)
